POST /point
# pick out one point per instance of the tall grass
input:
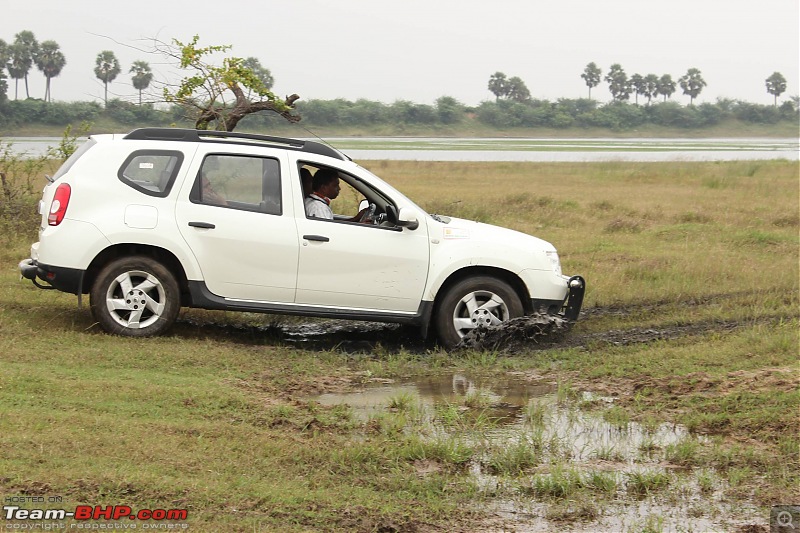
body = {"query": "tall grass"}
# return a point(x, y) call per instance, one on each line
point(219, 420)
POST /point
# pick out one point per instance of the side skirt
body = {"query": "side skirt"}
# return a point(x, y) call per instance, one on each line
point(204, 299)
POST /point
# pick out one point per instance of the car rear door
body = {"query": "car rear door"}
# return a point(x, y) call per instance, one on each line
point(237, 216)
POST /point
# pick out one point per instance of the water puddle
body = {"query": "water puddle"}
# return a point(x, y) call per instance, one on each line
point(549, 457)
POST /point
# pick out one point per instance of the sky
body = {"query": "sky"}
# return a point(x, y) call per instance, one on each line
point(419, 50)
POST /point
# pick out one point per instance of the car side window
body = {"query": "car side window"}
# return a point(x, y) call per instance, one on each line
point(239, 182)
point(151, 172)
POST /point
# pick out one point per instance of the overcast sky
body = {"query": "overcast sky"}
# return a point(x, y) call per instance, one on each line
point(420, 50)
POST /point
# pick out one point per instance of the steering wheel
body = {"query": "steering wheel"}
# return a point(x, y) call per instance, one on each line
point(369, 215)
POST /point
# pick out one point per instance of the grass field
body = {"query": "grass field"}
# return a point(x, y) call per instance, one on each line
point(691, 318)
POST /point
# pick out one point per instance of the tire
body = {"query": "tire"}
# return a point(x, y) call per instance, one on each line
point(473, 302)
point(152, 303)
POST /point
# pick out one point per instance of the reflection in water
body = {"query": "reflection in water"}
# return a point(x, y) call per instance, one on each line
point(512, 406)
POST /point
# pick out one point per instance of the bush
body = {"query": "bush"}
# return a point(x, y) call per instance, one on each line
point(760, 114)
point(18, 196)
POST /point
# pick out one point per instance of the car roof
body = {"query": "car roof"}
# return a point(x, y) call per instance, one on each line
point(229, 137)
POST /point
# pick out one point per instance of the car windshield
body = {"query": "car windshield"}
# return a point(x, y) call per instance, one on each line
point(387, 188)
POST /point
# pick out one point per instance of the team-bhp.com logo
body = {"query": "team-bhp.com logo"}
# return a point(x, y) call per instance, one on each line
point(95, 512)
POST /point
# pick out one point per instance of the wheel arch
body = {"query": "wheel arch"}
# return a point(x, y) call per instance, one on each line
point(162, 255)
point(514, 281)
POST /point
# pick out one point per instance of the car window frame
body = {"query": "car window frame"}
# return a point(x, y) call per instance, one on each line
point(194, 193)
point(352, 179)
point(156, 153)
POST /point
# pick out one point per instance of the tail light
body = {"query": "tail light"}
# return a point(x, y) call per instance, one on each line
point(58, 207)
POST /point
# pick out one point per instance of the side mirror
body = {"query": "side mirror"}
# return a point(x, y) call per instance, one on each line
point(363, 204)
point(408, 218)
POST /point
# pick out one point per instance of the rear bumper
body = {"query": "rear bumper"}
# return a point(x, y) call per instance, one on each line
point(63, 279)
point(570, 307)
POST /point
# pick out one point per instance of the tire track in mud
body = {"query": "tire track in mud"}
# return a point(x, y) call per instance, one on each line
point(530, 333)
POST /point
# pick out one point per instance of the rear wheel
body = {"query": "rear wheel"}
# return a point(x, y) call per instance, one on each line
point(475, 302)
point(136, 297)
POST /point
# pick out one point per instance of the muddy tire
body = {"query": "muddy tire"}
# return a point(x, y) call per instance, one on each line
point(474, 302)
point(135, 297)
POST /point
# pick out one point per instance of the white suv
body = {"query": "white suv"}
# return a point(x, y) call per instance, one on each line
point(131, 221)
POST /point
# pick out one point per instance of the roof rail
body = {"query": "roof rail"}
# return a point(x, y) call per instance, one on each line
point(190, 135)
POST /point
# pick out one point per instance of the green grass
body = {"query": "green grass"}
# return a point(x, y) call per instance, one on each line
point(219, 420)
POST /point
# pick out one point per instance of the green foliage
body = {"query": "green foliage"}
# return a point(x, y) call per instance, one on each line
point(18, 192)
point(3, 87)
point(132, 114)
point(69, 141)
point(17, 113)
point(214, 95)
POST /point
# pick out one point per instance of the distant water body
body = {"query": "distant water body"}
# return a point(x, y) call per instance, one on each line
point(527, 150)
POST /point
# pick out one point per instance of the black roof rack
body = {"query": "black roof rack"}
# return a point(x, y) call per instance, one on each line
point(189, 135)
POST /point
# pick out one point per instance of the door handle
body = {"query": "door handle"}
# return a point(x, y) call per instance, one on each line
point(206, 225)
point(320, 238)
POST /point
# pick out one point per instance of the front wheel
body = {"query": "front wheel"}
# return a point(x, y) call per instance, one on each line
point(135, 297)
point(472, 303)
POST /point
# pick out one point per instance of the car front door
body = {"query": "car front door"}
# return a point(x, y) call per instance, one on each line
point(353, 266)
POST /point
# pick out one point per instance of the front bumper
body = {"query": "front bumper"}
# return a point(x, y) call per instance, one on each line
point(63, 279)
point(570, 307)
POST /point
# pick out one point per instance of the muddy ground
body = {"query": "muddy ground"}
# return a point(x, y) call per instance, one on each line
point(518, 335)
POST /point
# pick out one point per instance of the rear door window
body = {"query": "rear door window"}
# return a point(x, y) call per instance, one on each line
point(241, 182)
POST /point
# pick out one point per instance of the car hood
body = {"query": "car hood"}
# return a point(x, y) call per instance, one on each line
point(459, 228)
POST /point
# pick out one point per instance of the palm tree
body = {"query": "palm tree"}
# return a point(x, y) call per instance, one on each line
point(591, 75)
point(618, 84)
point(4, 57)
point(650, 87)
point(106, 69)
point(665, 87)
point(50, 61)
point(27, 48)
point(776, 85)
point(19, 64)
point(498, 85)
point(142, 76)
point(692, 84)
point(638, 86)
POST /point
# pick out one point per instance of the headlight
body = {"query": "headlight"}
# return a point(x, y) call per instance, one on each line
point(554, 262)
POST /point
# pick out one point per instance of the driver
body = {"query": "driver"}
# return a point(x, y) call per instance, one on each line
point(325, 187)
